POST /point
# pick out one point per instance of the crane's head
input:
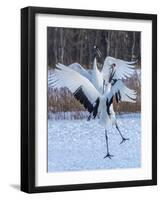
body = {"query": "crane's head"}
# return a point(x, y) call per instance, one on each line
point(110, 63)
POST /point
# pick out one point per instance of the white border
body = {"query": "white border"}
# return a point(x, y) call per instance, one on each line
point(42, 177)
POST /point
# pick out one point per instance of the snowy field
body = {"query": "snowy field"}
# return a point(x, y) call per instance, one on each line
point(80, 145)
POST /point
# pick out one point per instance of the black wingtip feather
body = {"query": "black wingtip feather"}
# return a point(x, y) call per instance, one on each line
point(81, 97)
point(95, 108)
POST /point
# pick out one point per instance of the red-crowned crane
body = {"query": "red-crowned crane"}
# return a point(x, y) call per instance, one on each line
point(112, 68)
point(90, 95)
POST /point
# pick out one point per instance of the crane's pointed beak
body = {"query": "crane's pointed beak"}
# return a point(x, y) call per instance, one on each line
point(98, 52)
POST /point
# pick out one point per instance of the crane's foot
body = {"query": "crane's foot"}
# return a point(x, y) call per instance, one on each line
point(124, 140)
point(89, 118)
point(108, 156)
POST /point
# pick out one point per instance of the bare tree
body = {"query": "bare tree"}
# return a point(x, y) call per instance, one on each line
point(69, 45)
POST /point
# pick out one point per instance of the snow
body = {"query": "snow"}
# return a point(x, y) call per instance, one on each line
point(71, 115)
point(80, 144)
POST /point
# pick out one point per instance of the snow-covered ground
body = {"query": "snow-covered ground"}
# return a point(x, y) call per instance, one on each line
point(80, 145)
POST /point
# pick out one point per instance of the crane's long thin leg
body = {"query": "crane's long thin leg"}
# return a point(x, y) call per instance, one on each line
point(123, 138)
point(103, 86)
point(108, 154)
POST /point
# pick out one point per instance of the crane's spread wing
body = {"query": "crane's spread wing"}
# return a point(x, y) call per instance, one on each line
point(78, 68)
point(121, 93)
point(123, 69)
point(81, 87)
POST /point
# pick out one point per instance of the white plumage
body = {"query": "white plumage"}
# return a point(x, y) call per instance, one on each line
point(78, 68)
point(64, 76)
point(96, 77)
